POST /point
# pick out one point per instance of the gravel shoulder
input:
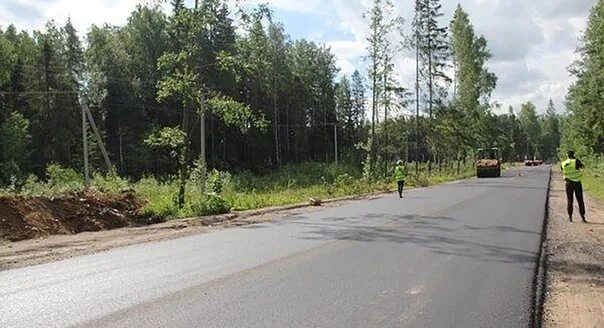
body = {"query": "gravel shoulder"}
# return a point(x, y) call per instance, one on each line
point(575, 263)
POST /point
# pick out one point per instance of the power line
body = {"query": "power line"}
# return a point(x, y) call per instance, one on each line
point(36, 92)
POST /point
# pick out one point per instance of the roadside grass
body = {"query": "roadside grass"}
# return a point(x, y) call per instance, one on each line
point(594, 178)
point(226, 192)
point(594, 186)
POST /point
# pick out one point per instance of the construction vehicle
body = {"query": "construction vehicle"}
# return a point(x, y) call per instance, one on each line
point(488, 163)
point(537, 161)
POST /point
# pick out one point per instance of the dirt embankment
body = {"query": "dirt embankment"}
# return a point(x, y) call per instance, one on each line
point(575, 263)
point(34, 217)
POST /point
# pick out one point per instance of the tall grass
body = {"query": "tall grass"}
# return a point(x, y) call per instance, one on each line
point(594, 176)
point(224, 192)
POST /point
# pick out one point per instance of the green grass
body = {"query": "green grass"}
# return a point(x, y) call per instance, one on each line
point(594, 177)
point(594, 186)
point(243, 191)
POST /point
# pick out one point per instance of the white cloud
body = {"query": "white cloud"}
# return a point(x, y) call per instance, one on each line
point(532, 42)
point(346, 67)
point(347, 49)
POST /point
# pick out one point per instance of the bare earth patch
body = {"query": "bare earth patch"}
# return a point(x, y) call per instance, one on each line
point(575, 262)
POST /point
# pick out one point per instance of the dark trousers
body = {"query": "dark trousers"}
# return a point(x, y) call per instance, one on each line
point(576, 188)
point(401, 184)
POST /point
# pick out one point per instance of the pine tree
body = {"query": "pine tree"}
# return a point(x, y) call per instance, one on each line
point(531, 128)
point(583, 129)
point(382, 24)
point(473, 82)
point(346, 115)
point(433, 51)
point(550, 129)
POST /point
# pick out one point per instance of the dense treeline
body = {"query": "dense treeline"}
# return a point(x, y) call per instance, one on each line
point(266, 99)
point(584, 126)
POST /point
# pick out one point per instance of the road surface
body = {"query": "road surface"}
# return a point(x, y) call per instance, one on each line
point(455, 255)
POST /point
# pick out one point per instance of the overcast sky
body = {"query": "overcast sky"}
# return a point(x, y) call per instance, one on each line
point(532, 41)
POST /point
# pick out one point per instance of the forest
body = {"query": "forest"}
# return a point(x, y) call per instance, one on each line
point(218, 98)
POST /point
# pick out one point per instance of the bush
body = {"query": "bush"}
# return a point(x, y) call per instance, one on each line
point(160, 197)
point(61, 179)
point(420, 180)
point(33, 186)
point(216, 181)
point(210, 204)
point(348, 184)
point(108, 183)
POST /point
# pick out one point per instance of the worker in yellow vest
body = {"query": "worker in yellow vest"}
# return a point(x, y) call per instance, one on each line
point(571, 170)
point(400, 175)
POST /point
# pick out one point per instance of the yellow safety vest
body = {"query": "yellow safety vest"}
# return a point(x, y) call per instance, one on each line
point(399, 173)
point(570, 172)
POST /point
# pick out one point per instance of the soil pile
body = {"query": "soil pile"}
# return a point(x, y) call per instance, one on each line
point(34, 217)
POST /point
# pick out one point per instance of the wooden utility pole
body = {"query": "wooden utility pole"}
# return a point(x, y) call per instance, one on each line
point(202, 142)
point(430, 87)
point(95, 131)
point(86, 114)
point(276, 122)
point(85, 148)
point(386, 131)
point(335, 138)
point(417, 86)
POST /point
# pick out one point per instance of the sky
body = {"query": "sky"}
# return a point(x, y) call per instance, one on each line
point(532, 41)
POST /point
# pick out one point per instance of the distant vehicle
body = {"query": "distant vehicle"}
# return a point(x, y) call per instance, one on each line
point(528, 161)
point(488, 163)
point(537, 161)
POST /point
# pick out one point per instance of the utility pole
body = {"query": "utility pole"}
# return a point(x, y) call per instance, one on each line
point(417, 26)
point(85, 147)
point(86, 114)
point(95, 131)
point(276, 122)
point(386, 141)
point(406, 147)
point(202, 142)
point(335, 138)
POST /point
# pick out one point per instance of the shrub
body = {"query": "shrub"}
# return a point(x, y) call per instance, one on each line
point(210, 204)
point(215, 182)
point(61, 179)
point(420, 180)
point(108, 183)
point(33, 186)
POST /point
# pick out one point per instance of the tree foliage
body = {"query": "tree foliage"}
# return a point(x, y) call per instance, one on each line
point(268, 99)
point(584, 127)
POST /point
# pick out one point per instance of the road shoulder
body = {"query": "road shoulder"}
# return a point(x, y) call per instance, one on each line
point(575, 263)
point(14, 255)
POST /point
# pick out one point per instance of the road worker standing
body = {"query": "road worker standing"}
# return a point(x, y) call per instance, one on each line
point(571, 170)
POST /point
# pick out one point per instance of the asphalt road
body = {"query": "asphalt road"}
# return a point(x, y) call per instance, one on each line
point(455, 255)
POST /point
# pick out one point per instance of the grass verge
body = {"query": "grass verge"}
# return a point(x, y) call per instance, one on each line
point(224, 192)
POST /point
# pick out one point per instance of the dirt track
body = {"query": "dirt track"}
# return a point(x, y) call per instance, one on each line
point(575, 284)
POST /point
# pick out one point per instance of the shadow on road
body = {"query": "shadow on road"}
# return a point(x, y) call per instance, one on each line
point(499, 186)
point(438, 234)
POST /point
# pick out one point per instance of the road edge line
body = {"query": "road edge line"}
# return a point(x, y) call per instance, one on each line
point(540, 274)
